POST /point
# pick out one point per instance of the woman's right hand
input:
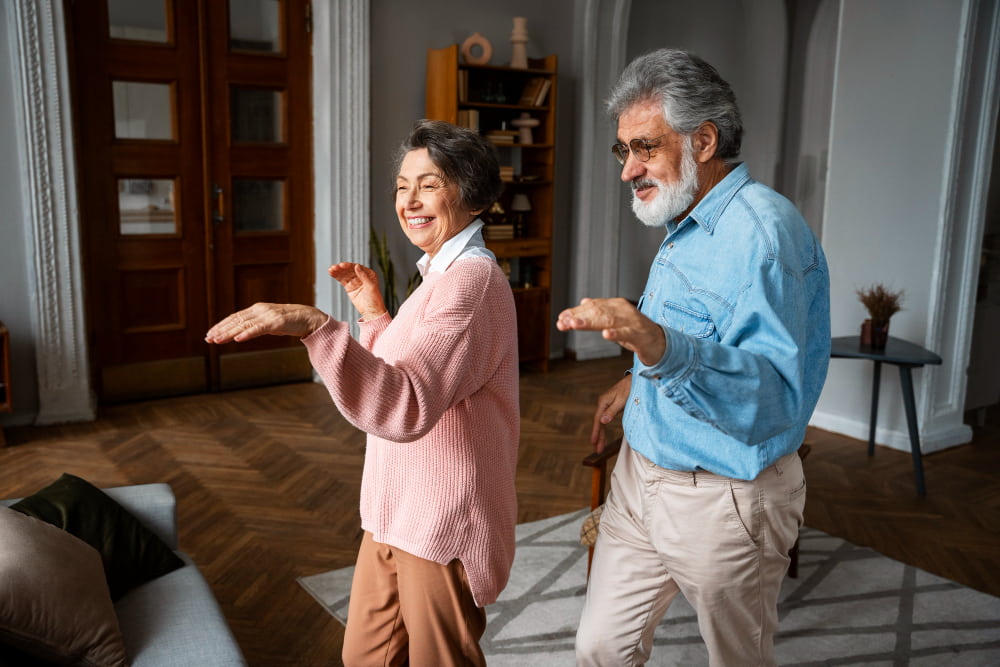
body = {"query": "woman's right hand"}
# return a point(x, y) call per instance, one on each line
point(260, 319)
point(609, 405)
point(361, 285)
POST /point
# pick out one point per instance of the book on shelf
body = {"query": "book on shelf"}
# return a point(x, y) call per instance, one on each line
point(530, 92)
point(468, 118)
point(463, 85)
point(502, 136)
point(542, 92)
point(498, 231)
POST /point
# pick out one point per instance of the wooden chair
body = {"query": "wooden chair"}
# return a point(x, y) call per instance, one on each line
point(598, 462)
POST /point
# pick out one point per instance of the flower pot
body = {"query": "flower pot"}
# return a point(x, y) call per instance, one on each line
point(874, 334)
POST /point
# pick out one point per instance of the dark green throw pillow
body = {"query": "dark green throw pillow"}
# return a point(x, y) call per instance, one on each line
point(131, 553)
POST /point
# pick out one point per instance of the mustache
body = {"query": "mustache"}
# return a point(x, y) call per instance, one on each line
point(642, 183)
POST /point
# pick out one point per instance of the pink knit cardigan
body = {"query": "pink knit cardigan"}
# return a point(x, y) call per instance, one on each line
point(436, 389)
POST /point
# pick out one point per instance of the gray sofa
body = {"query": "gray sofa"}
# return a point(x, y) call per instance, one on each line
point(173, 620)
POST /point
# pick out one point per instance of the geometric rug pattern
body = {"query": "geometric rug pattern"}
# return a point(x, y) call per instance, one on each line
point(848, 606)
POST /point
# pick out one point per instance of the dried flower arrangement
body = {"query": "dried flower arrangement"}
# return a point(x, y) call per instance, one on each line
point(880, 302)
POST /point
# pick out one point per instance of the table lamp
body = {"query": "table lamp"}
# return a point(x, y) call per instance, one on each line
point(520, 205)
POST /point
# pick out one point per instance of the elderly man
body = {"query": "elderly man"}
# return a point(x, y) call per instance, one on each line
point(731, 339)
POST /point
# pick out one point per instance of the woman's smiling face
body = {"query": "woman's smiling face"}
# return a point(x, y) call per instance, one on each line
point(427, 205)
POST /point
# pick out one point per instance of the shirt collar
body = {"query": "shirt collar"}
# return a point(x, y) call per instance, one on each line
point(708, 210)
point(469, 239)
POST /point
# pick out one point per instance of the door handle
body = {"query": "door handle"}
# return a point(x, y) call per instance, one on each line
point(218, 195)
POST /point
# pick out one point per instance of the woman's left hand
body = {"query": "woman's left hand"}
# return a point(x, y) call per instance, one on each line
point(276, 319)
point(361, 285)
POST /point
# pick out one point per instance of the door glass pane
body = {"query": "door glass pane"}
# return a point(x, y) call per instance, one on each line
point(142, 20)
point(146, 206)
point(258, 206)
point(256, 115)
point(143, 110)
point(254, 25)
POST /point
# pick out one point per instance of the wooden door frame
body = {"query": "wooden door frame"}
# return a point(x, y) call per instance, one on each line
point(44, 127)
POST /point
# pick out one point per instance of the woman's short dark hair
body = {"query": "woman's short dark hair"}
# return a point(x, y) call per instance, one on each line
point(467, 160)
point(690, 90)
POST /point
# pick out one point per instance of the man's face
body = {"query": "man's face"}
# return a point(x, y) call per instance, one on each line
point(664, 186)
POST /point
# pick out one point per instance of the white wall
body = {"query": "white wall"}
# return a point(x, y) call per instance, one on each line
point(745, 42)
point(891, 167)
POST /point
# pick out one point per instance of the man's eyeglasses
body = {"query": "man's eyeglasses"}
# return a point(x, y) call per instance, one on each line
point(640, 149)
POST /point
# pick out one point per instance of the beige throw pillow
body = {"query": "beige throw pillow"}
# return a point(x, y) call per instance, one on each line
point(54, 599)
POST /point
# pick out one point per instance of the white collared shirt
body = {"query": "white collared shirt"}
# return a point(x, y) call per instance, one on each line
point(467, 243)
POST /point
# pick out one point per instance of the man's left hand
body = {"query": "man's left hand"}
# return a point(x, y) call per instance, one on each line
point(618, 321)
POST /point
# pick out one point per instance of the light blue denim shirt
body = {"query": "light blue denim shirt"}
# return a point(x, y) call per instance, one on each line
point(741, 289)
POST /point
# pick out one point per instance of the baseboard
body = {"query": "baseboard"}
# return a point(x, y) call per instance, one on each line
point(930, 441)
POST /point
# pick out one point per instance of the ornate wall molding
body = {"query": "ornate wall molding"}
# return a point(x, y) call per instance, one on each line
point(341, 146)
point(49, 191)
point(941, 405)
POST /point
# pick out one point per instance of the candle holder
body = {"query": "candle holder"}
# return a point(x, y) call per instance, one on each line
point(524, 124)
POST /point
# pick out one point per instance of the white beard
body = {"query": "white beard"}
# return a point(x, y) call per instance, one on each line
point(671, 199)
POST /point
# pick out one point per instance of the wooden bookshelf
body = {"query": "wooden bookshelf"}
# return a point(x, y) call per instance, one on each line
point(489, 99)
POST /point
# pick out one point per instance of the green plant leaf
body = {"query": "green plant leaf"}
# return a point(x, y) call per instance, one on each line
point(379, 248)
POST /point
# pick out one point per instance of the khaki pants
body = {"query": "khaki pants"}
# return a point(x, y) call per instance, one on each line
point(406, 610)
point(722, 542)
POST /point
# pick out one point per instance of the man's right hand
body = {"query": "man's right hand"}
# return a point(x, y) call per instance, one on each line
point(620, 321)
point(609, 405)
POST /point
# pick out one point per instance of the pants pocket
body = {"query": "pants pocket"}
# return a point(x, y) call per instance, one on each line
point(744, 511)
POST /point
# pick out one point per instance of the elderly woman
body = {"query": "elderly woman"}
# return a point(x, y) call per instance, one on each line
point(436, 389)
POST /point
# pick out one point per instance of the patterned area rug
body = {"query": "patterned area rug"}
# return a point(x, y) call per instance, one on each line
point(848, 606)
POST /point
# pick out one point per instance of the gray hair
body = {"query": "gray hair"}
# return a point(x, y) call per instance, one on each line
point(690, 90)
point(467, 160)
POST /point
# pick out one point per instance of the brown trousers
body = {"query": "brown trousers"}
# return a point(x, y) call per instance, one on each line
point(406, 610)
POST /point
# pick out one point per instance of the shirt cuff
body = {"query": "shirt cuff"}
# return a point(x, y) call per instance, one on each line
point(676, 359)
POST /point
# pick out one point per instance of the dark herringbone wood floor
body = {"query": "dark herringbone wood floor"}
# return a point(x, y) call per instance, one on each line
point(267, 484)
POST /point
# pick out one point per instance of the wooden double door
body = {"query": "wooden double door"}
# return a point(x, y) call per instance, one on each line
point(193, 125)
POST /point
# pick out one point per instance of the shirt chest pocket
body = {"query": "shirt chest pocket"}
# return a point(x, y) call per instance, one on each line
point(687, 320)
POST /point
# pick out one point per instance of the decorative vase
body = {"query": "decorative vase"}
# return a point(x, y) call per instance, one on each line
point(476, 42)
point(874, 334)
point(518, 43)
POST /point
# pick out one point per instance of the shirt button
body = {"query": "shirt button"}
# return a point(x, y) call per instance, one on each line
point(635, 401)
point(670, 245)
